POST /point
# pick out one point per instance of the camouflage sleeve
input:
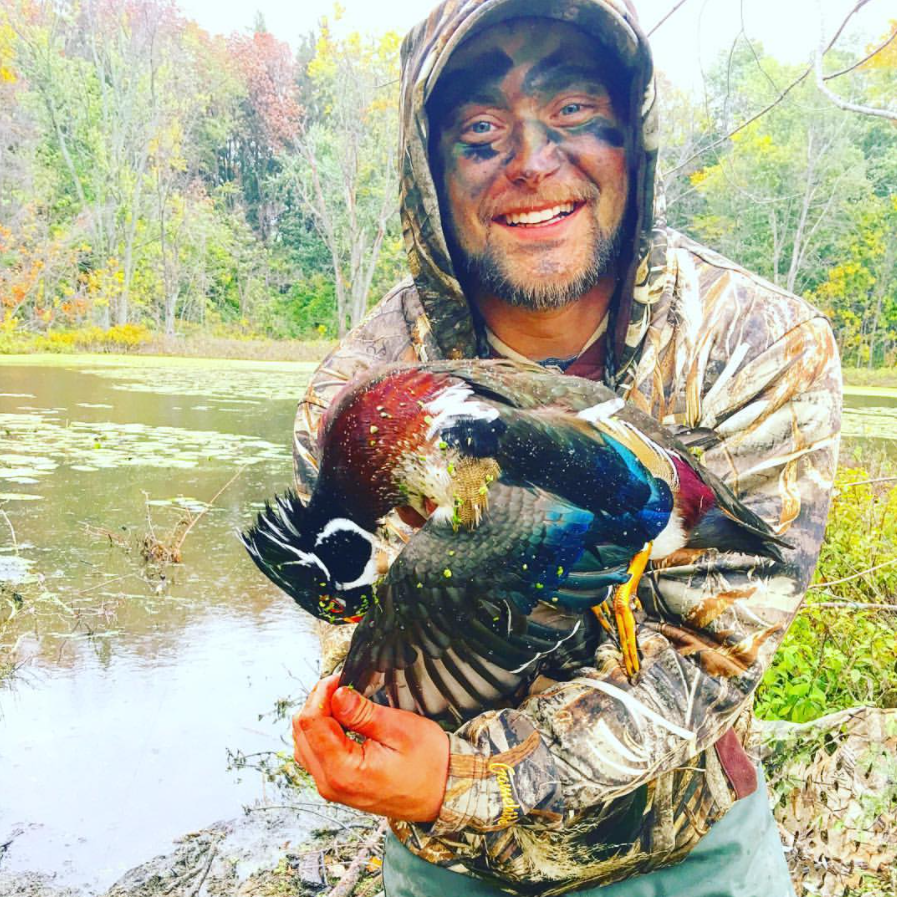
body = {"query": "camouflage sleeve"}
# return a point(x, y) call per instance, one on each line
point(712, 621)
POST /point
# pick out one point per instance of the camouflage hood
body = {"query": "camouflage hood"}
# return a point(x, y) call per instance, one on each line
point(425, 52)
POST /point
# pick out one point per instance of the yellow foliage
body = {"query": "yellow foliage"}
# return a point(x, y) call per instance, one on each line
point(7, 54)
point(121, 338)
point(698, 177)
point(886, 58)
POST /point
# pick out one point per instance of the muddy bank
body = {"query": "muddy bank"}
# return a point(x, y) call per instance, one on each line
point(268, 852)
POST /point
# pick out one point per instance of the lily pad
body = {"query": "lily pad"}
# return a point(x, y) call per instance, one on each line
point(210, 383)
point(34, 445)
point(183, 501)
point(16, 570)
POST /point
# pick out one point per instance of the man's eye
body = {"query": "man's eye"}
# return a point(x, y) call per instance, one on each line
point(572, 108)
point(480, 127)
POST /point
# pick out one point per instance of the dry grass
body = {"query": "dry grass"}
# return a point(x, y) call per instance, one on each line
point(227, 347)
point(873, 377)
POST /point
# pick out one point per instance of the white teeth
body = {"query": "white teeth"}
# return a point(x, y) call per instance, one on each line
point(540, 216)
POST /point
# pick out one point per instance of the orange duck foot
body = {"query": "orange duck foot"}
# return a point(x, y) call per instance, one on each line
point(625, 601)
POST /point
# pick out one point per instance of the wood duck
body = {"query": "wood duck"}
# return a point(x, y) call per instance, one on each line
point(544, 498)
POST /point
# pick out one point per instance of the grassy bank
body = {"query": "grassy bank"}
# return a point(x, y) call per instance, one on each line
point(228, 343)
point(876, 377)
point(135, 339)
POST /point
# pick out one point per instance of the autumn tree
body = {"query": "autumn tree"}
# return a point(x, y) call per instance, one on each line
point(344, 171)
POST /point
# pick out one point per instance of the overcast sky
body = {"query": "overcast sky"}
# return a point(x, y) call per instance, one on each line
point(690, 39)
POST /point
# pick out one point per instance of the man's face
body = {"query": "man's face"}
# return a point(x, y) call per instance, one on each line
point(532, 162)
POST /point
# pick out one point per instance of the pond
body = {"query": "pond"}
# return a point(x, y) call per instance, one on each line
point(138, 678)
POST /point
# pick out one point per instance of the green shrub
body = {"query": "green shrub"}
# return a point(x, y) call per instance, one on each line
point(838, 657)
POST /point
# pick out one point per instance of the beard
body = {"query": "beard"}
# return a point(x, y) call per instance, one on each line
point(550, 288)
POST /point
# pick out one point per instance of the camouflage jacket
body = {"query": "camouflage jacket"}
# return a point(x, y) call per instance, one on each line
point(592, 780)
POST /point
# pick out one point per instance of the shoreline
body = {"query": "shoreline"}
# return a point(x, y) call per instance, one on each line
point(857, 381)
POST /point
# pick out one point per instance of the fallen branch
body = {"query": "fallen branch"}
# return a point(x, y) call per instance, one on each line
point(213, 850)
point(205, 510)
point(162, 552)
point(837, 582)
point(306, 808)
point(15, 544)
point(345, 885)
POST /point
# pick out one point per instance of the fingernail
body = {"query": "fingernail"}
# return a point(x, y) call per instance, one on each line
point(348, 698)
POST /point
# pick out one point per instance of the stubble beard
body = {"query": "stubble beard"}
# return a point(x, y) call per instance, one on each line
point(492, 271)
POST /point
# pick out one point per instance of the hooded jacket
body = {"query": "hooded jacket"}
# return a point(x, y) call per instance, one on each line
point(592, 780)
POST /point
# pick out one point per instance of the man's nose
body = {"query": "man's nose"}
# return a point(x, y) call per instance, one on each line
point(535, 155)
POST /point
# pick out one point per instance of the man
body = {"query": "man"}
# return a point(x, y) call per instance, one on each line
point(532, 229)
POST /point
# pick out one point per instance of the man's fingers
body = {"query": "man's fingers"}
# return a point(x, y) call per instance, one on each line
point(318, 701)
point(382, 724)
point(317, 707)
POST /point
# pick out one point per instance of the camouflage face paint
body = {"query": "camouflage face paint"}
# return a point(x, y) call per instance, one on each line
point(522, 123)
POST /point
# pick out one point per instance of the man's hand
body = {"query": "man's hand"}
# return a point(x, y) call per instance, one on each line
point(399, 771)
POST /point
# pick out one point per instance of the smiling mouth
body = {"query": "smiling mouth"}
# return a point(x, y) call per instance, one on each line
point(539, 217)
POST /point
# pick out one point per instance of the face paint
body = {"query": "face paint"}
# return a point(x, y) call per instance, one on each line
point(538, 135)
point(478, 152)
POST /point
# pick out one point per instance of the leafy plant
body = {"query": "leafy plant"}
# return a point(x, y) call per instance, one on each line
point(837, 654)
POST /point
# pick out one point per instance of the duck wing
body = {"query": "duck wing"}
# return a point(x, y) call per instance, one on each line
point(452, 630)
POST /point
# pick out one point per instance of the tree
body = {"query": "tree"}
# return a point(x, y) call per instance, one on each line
point(344, 171)
point(92, 68)
point(860, 292)
point(779, 198)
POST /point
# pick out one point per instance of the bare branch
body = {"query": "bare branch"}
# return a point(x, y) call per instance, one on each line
point(846, 105)
point(867, 482)
point(837, 582)
point(743, 125)
point(856, 65)
point(784, 93)
point(857, 7)
point(840, 102)
point(676, 7)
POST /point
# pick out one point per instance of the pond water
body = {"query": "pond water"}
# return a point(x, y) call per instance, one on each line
point(138, 679)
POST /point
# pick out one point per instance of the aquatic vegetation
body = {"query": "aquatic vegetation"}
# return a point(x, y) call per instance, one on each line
point(34, 444)
point(242, 387)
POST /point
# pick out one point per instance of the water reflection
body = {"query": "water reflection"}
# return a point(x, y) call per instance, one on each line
point(138, 679)
point(103, 764)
